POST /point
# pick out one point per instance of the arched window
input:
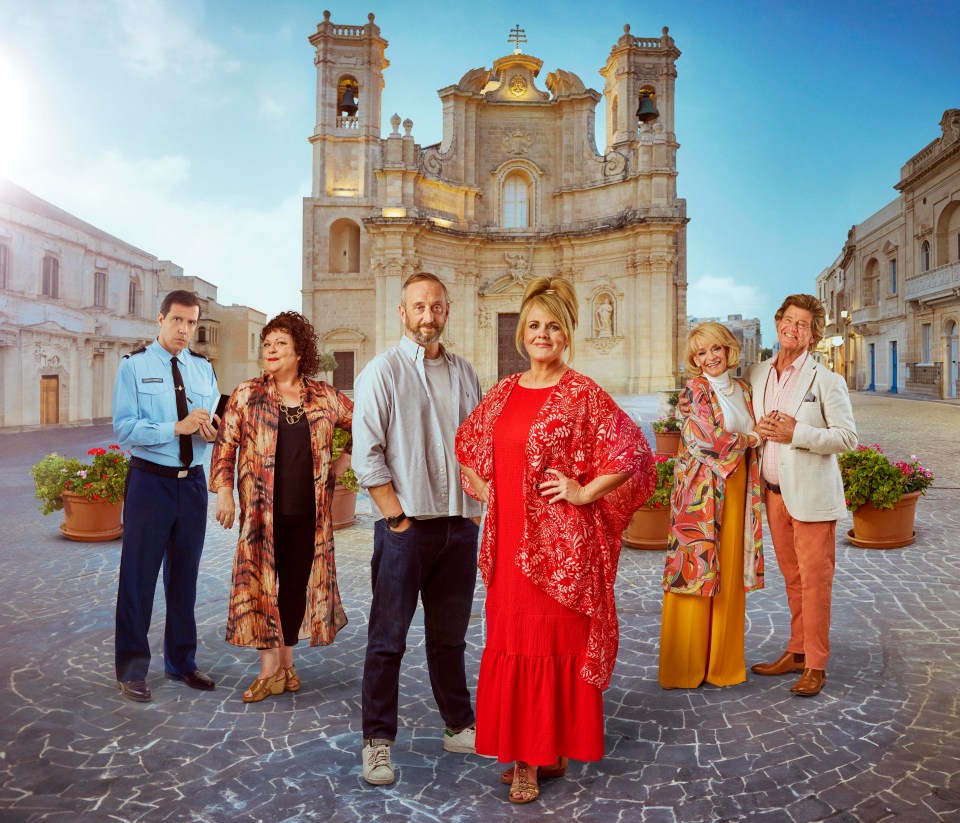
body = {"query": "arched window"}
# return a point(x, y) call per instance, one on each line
point(516, 201)
point(925, 256)
point(344, 246)
point(348, 101)
point(51, 277)
point(202, 334)
point(132, 298)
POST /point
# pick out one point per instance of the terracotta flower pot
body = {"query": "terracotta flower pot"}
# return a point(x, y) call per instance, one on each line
point(343, 508)
point(648, 528)
point(90, 521)
point(884, 528)
point(668, 443)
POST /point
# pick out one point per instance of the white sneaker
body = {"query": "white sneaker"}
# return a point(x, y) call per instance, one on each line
point(462, 742)
point(377, 768)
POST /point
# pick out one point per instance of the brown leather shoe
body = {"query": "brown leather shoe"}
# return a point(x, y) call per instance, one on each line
point(788, 662)
point(810, 683)
point(195, 680)
point(136, 690)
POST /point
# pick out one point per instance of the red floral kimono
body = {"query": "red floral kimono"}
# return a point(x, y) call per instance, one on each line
point(709, 455)
point(246, 445)
point(569, 552)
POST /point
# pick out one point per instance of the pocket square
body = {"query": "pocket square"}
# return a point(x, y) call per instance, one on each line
point(810, 398)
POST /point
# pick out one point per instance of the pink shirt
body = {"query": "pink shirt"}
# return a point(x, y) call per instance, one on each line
point(775, 395)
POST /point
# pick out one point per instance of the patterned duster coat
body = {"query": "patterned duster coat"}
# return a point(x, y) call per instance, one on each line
point(569, 552)
point(710, 454)
point(247, 442)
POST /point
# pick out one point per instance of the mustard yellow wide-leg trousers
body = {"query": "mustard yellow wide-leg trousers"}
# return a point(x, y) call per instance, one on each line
point(701, 638)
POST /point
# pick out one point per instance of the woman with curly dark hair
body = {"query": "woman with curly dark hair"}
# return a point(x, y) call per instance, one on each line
point(277, 434)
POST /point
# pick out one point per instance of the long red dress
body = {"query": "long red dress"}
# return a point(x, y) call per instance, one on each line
point(532, 703)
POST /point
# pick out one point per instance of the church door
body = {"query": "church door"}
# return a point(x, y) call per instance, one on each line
point(509, 360)
point(49, 400)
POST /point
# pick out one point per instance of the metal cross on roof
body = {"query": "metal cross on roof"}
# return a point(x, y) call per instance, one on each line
point(518, 36)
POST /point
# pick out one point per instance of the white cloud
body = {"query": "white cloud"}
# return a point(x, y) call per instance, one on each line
point(157, 39)
point(252, 255)
point(710, 296)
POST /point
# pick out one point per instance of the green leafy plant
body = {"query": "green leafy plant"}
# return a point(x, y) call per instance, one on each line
point(664, 488)
point(870, 477)
point(327, 362)
point(101, 479)
point(348, 479)
point(667, 424)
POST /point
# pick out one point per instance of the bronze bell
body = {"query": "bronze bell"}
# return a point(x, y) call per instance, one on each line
point(647, 110)
point(348, 103)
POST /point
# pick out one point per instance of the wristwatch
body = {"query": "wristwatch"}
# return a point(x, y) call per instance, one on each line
point(396, 520)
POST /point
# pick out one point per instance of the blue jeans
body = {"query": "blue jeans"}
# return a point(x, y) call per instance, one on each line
point(435, 560)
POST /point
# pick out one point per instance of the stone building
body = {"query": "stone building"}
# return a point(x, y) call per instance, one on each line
point(74, 300)
point(228, 336)
point(893, 293)
point(747, 333)
point(515, 189)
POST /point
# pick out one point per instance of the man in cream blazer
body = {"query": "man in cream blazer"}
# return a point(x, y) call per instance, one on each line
point(805, 419)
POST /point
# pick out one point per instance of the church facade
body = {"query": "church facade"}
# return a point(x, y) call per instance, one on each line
point(515, 189)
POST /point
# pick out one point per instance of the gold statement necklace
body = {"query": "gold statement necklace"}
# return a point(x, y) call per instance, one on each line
point(293, 415)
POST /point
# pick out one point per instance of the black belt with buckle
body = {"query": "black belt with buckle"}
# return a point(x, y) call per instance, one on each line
point(774, 488)
point(163, 471)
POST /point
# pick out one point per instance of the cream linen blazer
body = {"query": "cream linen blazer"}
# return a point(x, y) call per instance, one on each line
point(809, 474)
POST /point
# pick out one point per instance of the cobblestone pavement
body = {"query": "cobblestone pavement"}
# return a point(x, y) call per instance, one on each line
point(881, 742)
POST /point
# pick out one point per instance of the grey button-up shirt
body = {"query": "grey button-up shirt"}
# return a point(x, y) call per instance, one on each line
point(396, 430)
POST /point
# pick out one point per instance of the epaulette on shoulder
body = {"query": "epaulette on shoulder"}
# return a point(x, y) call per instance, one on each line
point(197, 354)
point(140, 350)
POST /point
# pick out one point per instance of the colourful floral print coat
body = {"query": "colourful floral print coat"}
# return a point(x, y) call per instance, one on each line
point(247, 443)
point(709, 455)
point(569, 552)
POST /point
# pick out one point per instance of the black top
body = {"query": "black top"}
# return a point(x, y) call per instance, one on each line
point(293, 492)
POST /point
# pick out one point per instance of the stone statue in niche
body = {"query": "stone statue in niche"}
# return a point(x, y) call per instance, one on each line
point(603, 317)
point(519, 267)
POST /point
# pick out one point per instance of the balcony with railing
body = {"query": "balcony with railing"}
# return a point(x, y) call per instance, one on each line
point(866, 319)
point(939, 285)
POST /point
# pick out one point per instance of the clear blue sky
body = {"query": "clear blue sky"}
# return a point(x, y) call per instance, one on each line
point(181, 126)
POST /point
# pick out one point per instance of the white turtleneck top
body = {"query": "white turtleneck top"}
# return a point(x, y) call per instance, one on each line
point(733, 403)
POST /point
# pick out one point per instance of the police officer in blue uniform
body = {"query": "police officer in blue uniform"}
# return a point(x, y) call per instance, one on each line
point(163, 403)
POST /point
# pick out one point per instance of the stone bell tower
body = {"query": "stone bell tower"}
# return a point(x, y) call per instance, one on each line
point(640, 69)
point(350, 62)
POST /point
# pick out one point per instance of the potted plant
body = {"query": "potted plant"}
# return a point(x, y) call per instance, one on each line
point(882, 496)
point(90, 494)
point(328, 362)
point(666, 430)
point(344, 506)
point(650, 524)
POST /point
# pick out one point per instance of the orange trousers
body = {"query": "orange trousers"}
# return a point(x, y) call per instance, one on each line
point(806, 553)
point(701, 638)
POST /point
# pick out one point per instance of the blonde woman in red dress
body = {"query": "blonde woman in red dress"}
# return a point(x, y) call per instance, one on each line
point(562, 468)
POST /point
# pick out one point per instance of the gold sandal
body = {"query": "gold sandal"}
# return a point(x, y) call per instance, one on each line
point(265, 686)
point(522, 785)
point(292, 680)
point(559, 769)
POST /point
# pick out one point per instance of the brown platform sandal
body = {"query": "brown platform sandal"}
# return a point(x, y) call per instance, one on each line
point(557, 770)
point(522, 785)
point(293, 681)
point(265, 686)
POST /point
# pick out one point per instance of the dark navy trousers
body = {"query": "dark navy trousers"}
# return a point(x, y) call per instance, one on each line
point(434, 560)
point(164, 521)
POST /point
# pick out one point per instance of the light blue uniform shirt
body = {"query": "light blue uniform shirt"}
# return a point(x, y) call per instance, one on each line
point(145, 403)
point(398, 436)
